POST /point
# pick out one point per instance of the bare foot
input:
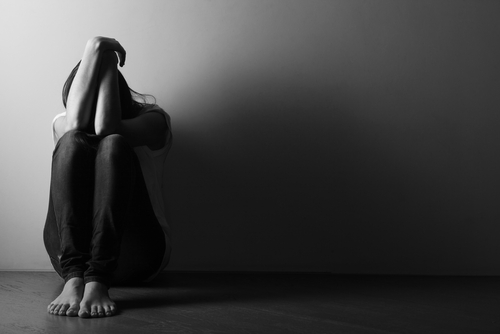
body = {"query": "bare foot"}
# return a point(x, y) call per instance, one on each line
point(68, 302)
point(96, 301)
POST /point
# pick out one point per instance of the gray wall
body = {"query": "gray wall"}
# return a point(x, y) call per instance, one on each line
point(343, 136)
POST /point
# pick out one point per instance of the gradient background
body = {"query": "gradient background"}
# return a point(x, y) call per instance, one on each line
point(349, 136)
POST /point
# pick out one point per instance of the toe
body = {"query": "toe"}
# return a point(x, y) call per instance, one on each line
point(84, 311)
point(83, 314)
point(72, 311)
point(93, 311)
point(63, 309)
point(55, 310)
point(100, 311)
point(107, 311)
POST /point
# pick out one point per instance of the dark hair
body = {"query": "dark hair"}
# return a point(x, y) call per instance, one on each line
point(131, 101)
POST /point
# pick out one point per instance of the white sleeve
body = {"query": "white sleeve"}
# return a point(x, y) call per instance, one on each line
point(55, 138)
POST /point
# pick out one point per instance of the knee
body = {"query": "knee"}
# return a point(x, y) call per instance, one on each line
point(113, 145)
point(71, 141)
point(114, 142)
point(70, 136)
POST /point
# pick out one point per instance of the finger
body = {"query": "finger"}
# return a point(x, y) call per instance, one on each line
point(123, 55)
point(120, 57)
point(121, 52)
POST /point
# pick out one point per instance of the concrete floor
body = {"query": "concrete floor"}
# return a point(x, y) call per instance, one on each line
point(264, 303)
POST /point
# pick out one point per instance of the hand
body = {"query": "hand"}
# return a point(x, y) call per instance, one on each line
point(109, 44)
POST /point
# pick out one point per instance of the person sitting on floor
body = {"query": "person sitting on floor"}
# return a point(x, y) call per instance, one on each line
point(106, 221)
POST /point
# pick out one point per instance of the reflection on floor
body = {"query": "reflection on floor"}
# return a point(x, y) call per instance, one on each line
point(265, 303)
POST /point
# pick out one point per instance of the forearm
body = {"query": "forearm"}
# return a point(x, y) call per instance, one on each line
point(82, 94)
point(108, 108)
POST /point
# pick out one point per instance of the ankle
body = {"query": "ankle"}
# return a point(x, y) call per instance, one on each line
point(97, 281)
point(74, 281)
point(94, 285)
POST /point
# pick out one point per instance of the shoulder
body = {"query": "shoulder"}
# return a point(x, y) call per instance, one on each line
point(150, 128)
point(152, 109)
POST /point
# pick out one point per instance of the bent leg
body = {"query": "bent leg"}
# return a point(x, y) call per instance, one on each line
point(115, 173)
point(66, 232)
point(143, 242)
point(70, 206)
point(118, 178)
point(128, 243)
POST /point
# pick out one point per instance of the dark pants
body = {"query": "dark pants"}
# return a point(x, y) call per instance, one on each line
point(100, 223)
